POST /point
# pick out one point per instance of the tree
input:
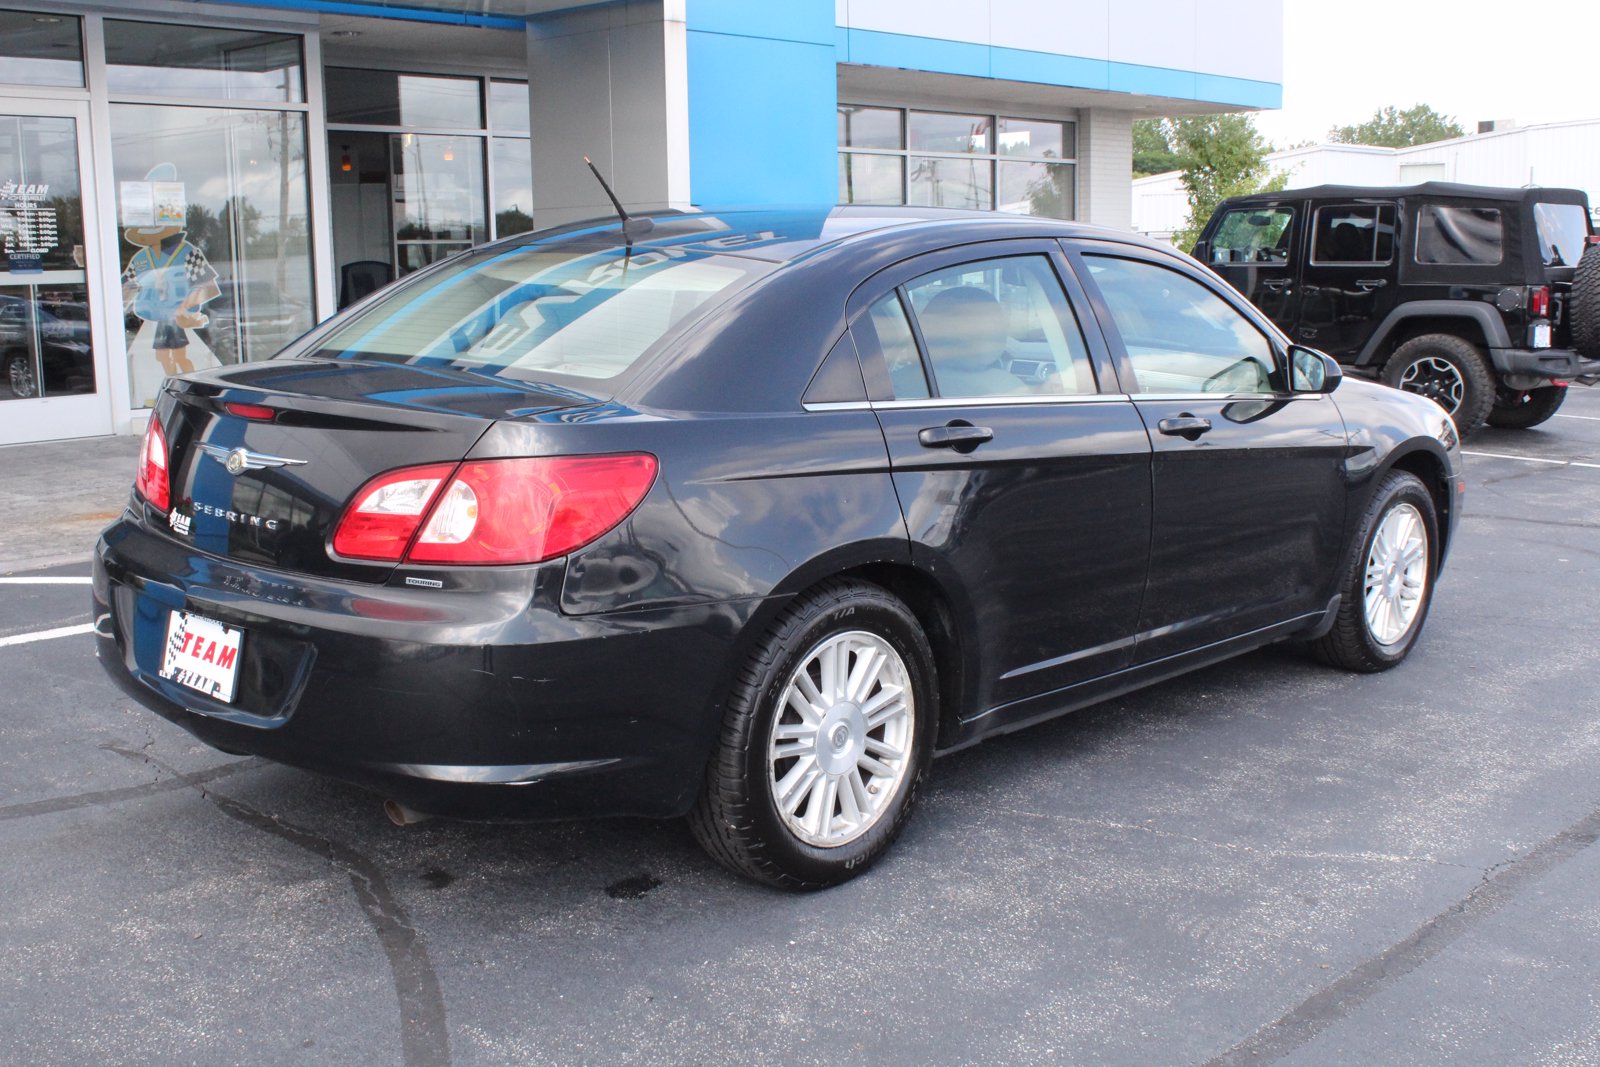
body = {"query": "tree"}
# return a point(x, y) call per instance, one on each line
point(1392, 128)
point(1221, 156)
point(1152, 152)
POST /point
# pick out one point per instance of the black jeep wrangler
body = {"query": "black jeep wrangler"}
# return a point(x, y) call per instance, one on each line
point(1482, 299)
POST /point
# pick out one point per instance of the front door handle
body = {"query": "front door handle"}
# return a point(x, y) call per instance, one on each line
point(1189, 427)
point(1370, 284)
point(961, 436)
point(1275, 285)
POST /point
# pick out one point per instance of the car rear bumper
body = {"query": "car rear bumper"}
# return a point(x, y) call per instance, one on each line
point(1545, 363)
point(484, 702)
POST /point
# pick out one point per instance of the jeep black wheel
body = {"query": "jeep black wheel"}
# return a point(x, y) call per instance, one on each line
point(1448, 370)
point(1583, 303)
point(1518, 409)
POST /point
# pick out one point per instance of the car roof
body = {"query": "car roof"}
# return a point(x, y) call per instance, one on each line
point(1443, 190)
point(785, 234)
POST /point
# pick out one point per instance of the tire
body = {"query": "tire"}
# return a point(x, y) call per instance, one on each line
point(1583, 304)
point(1448, 370)
point(20, 377)
point(1520, 409)
point(1366, 637)
point(767, 746)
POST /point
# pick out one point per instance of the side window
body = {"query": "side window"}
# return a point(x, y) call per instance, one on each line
point(886, 321)
point(1180, 336)
point(1000, 327)
point(1253, 235)
point(1447, 234)
point(1355, 234)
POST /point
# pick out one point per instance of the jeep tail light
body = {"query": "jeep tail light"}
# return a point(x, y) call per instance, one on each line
point(1539, 301)
point(151, 482)
point(385, 513)
point(523, 510)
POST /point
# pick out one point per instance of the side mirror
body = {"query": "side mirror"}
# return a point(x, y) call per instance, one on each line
point(1311, 371)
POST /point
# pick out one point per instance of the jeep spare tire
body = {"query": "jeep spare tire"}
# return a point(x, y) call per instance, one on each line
point(1583, 307)
point(1449, 370)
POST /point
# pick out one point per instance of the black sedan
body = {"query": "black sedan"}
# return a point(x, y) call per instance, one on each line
point(745, 516)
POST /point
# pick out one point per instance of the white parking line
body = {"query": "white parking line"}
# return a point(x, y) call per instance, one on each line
point(1534, 459)
point(1585, 418)
point(46, 635)
point(45, 581)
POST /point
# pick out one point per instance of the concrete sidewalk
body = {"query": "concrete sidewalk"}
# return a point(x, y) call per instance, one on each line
point(56, 498)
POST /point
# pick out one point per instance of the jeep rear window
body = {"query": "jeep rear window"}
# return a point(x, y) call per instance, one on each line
point(1563, 228)
point(1253, 235)
point(1361, 233)
point(1451, 235)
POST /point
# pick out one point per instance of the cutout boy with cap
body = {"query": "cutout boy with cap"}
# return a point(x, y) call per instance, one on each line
point(167, 281)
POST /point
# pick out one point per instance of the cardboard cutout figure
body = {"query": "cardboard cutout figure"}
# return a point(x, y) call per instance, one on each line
point(167, 281)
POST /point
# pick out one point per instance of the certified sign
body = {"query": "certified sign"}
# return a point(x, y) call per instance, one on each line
point(202, 654)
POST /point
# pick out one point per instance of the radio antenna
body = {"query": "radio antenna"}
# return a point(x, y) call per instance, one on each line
point(630, 225)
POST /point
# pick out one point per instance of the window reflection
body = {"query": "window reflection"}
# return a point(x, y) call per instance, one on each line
point(438, 197)
point(513, 185)
point(215, 236)
point(384, 98)
point(40, 49)
point(156, 59)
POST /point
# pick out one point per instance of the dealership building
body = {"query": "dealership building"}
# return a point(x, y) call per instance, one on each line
point(184, 184)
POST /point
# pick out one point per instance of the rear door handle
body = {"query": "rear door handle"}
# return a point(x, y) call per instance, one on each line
point(1275, 285)
point(1186, 426)
point(961, 436)
point(1370, 284)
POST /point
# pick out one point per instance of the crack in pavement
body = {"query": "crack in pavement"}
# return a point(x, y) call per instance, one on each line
point(424, 1039)
point(1499, 885)
point(133, 792)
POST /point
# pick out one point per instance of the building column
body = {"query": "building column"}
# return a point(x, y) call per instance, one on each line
point(610, 83)
point(1105, 167)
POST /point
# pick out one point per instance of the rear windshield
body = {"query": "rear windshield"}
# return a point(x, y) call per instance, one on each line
point(1562, 230)
point(533, 313)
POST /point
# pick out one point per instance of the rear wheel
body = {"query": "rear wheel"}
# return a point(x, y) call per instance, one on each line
point(1388, 580)
point(828, 733)
point(1450, 371)
point(1518, 409)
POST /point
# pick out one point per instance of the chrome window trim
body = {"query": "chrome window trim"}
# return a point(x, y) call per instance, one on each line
point(1219, 396)
point(993, 401)
point(839, 405)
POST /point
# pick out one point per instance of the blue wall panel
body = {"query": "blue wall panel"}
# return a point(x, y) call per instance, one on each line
point(763, 91)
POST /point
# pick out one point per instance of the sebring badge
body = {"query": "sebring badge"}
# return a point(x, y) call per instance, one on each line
point(238, 460)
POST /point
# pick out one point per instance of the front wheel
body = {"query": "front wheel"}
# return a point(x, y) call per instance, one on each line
point(1450, 371)
point(828, 733)
point(1520, 409)
point(20, 377)
point(1388, 579)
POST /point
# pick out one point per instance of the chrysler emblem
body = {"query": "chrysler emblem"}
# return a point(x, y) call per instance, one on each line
point(239, 460)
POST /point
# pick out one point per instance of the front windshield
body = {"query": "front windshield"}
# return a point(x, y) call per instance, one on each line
point(536, 313)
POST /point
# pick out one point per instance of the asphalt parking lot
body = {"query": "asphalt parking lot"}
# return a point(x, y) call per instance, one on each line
point(1265, 862)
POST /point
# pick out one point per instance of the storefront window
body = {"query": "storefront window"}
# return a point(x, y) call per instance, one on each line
point(215, 246)
point(44, 311)
point(513, 186)
point(438, 197)
point(40, 49)
point(509, 107)
point(155, 59)
point(937, 159)
point(384, 98)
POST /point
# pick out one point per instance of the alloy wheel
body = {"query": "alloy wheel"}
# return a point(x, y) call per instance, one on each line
point(20, 377)
point(1437, 379)
point(840, 748)
point(1397, 574)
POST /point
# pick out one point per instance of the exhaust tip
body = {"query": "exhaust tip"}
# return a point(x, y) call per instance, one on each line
point(401, 815)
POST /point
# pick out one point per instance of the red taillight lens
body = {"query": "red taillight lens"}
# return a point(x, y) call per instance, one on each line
point(257, 412)
point(151, 482)
point(533, 509)
point(1539, 301)
point(385, 513)
point(523, 510)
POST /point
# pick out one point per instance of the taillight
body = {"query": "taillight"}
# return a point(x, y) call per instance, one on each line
point(385, 513)
point(151, 482)
point(1539, 301)
point(256, 412)
point(523, 510)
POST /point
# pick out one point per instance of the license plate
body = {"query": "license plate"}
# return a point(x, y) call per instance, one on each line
point(202, 654)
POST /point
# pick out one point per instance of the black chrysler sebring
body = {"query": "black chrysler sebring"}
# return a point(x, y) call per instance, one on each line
point(744, 516)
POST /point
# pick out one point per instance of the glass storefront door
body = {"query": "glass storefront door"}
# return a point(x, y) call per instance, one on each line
point(53, 380)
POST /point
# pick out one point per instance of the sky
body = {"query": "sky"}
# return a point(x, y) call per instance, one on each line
point(1469, 59)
